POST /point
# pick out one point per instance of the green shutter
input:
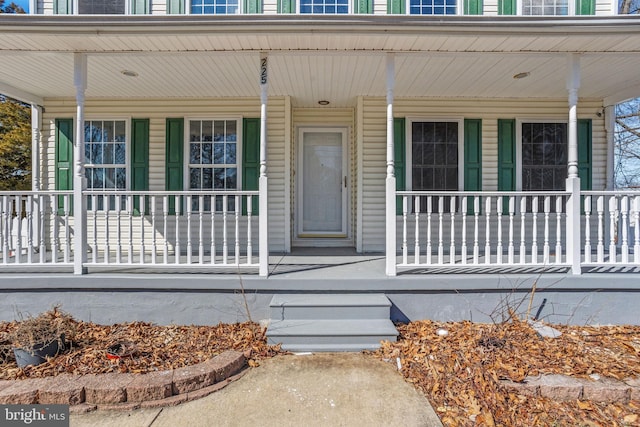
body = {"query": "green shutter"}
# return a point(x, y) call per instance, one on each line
point(507, 7)
point(139, 158)
point(506, 155)
point(364, 6)
point(250, 160)
point(252, 6)
point(62, 7)
point(472, 155)
point(175, 7)
point(286, 6)
point(585, 7)
point(472, 7)
point(139, 7)
point(174, 158)
point(396, 7)
point(64, 159)
point(584, 153)
point(400, 158)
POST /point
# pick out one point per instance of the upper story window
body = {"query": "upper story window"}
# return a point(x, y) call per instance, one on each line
point(101, 7)
point(545, 7)
point(324, 6)
point(214, 7)
point(433, 7)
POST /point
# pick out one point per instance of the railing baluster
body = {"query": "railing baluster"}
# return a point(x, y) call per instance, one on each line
point(636, 245)
point(67, 228)
point(154, 247)
point(225, 248)
point(452, 246)
point(587, 229)
point(143, 212)
point(107, 246)
point(177, 207)
point(165, 234)
point(249, 231)
point(94, 238)
point(429, 212)
point(440, 230)
point(42, 210)
point(534, 241)
point(237, 218)
point(463, 246)
point(512, 213)
point(5, 230)
point(613, 219)
point(56, 230)
point(559, 204)
point(200, 229)
point(213, 229)
point(487, 232)
point(118, 208)
point(189, 243)
point(130, 207)
point(476, 229)
point(523, 230)
point(17, 250)
point(600, 209)
point(547, 212)
point(625, 229)
point(29, 207)
point(416, 248)
point(405, 202)
point(499, 207)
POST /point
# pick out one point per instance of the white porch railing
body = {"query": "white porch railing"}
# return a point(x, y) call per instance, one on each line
point(212, 229)
point(612, 228)
point(36, 228)
point(471, 229)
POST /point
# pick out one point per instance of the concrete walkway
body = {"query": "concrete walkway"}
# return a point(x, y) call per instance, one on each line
point(338, 389)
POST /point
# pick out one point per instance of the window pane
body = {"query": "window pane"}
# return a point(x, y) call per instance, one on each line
point(194, 131)
point(219, 175)
point(214, 6)
point(230, 158)
point(194, 153)
point(218, 154)
point(545, 7)
point(207, 131)
point(120, 132)
point(107, 154)
point(324, 6)
point(107, 132)
point(207, 178)
point(101, 7)
point(194, 178)
point(207, 154)
point(231, 179)
point(432, 7)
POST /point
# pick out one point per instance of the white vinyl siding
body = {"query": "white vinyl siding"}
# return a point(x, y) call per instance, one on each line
point(374, 140)
point(157, 110)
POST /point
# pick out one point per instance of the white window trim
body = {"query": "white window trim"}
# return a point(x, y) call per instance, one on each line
point(349, 12)
point(186, 178)
point(409, 147)
point(187, 10)
point(571, 11)
point(127, 129)
point(459, 6)
point(519, 122)
point(127, 7)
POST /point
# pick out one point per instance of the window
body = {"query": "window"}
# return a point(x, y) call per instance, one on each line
point(101, 7)
point(434, 156)
point(324, 6)
point(545, 7)
point(214, 7)
point(105, 151)
point(544, 156)
point(432, 7)
point(213, 162)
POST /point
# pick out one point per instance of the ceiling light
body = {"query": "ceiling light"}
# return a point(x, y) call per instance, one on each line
point(323, 102)
point(521, 75)
point(129, 73)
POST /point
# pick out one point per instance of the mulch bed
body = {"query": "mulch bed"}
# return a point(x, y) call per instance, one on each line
point(458, 366)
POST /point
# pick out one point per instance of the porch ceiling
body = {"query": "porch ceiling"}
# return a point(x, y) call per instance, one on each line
point(311, 60)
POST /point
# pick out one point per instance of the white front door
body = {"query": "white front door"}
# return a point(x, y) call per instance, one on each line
point(322, 183)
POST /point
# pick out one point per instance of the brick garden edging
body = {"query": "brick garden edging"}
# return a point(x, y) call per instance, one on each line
point(127, 391)
point(562, 388)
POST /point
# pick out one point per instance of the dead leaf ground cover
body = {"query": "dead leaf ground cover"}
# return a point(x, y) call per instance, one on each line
point(460, 370)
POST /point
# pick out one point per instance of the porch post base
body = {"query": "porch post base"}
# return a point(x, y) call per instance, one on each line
point(574, 225)
point(263, 221)
point(391, 225)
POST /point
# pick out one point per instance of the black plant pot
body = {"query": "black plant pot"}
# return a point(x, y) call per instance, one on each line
point(38, 354)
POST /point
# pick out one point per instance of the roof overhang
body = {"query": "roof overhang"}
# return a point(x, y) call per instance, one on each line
point(319, 57)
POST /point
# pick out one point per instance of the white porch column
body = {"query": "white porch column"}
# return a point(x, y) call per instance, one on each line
point(610, 128)
point(36, 126)
point(262, 180)
point(390, 198)
point(79, 181)
point(573, 181)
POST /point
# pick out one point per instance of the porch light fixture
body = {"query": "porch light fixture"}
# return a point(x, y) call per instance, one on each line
point(129, 73)
point(323, 102)
point(521, 75)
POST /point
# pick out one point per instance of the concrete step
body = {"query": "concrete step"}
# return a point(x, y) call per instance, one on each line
point(331, 335)
point(330, 306)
